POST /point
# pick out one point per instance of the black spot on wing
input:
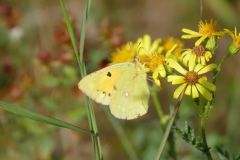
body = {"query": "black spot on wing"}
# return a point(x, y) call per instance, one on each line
point(109, 74)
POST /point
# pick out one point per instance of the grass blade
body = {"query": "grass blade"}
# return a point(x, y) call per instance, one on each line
point(20, 111)
point(79, 57)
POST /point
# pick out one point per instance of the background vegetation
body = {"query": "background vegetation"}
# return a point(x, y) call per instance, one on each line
point(38, 71)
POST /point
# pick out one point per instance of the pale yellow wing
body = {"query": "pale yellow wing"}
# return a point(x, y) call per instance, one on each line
point(101, 84)
point(132, 94)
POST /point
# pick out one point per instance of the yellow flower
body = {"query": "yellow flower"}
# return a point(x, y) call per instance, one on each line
point(155, 64)
point(147, 47)
point(143, 47)
point(236, 39)
point(192, 80)
point(125, 54)
point(197, 54)
point(149, 53)
point(170, 42)
point(205, 30)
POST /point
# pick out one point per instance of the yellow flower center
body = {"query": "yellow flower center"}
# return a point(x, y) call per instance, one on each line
point(198, 50)
point(207, 28)
point(191, 77)
point(156, 61)
point(152, 62)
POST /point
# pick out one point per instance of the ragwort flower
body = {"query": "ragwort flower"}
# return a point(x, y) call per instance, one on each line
point(205, 30)
point(171, 42)
point(125, 54)
point(235, 46)
point(192, 81)
point(150, 55)
point(197, 54)
point(148, 52)
point(147, 47)
point(155, 63)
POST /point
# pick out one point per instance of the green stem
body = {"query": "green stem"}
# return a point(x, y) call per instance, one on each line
point(169, 127)
point(204, 115)
point(203, 132)
point(79, 56)
point(171, 142)
point(157, 105)
point(219, 67)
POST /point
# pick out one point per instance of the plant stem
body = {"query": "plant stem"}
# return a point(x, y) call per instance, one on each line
point(204, 114)
point(169, 127)
point(171, 143)
point(219, 67)
point(157, 105)
point(203, 132)
point(79, 56)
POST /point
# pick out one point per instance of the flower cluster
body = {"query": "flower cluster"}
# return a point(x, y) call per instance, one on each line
point(152, 54)
point(184, 67)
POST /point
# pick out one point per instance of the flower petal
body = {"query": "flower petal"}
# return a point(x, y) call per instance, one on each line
point(161, 70)
point(191, 32)
point(192, 62)
point(155, 78)
point(176, 79)
point(200, 40)
point(174, 64)
point(207, 84)
point(188, 90)
point(205, 93)
point(155, 45)
point(179, 90)
point(203, 62)
point(195, 93)
point(146, 42)
point(198, 67)
point(207, 68)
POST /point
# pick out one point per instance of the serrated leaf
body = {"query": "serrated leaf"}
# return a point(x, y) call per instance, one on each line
point(188, 134)
point(222, 154)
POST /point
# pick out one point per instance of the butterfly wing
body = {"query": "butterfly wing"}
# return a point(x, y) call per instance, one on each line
point(132, 94)
point(101, 84)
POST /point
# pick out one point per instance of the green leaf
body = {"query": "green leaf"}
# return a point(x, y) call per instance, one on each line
point(20, 111)
point(222, 154)
point(188, 135)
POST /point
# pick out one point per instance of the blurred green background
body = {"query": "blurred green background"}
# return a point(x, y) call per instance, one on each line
point(38, 70)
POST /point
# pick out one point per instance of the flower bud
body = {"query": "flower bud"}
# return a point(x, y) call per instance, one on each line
point(211, 44)
point(233, 49)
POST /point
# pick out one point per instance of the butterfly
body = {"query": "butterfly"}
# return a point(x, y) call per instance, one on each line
point(122, 86)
